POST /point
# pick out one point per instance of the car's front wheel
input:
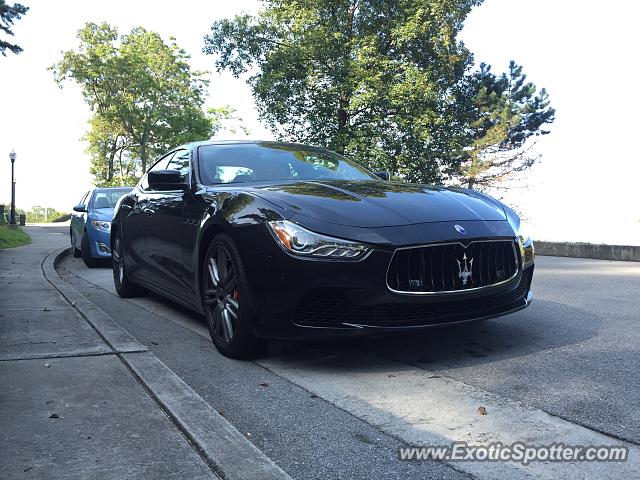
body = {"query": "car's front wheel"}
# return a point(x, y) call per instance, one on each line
point(226, 300)
point(125, 287)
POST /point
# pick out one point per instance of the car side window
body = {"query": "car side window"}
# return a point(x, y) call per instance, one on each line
point(83, 199)
point(181, 162)
point(159, 165)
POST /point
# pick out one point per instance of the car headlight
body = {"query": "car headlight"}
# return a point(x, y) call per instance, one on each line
point(299, 241)
point(526, 245)
point(101, 225)
point(523, 234)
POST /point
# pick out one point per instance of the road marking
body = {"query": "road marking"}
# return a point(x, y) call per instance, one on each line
point(423, 408)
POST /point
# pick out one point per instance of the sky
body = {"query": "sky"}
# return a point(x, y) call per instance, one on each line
point(583, 52)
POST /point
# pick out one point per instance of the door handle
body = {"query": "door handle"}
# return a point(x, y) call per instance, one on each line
point(148, 211)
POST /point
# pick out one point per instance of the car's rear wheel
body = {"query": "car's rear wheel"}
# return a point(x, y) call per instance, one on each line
point(125, 287)
point(226, 300)
point(85, 251)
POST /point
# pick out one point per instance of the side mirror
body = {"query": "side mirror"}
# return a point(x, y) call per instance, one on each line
point(166, 180)
point(384, 175)
point(81, 207)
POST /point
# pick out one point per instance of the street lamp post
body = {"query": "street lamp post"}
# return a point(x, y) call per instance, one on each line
point(12, 220)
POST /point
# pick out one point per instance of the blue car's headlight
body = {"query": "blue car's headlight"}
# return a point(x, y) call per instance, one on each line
point(299, 241)
point(101, 225)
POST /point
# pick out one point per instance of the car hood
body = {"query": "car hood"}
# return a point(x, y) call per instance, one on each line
point(380, 204)
point(105, 214)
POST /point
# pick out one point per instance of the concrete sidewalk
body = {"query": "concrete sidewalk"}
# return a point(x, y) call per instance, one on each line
point(69, 408)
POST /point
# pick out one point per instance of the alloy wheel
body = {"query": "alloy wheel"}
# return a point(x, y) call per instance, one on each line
point(221, 294)
point(118, 264)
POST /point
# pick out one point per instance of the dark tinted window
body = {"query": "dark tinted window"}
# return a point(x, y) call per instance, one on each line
point(266, 162)
point(180, 162)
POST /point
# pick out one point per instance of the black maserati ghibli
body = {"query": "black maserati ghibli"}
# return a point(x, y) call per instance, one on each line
point(278, 240)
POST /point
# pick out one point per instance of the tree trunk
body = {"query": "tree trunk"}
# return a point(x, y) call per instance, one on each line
point(112, 156)
point(120, 166)
point(343, 122)
point(143, 158)
point(143, 150)
point(345, 97)
point(471, 181)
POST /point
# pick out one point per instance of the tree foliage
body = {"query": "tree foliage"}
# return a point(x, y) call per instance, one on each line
point(506, 113)
point(8, 15)
point(110, 148)
point(144, 95)
point(39, 214)
point(386, 81)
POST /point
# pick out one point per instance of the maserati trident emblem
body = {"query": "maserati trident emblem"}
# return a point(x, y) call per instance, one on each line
point(460, 229)
point(465, 273)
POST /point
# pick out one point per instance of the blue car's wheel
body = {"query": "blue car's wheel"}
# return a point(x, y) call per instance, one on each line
point(85, 250)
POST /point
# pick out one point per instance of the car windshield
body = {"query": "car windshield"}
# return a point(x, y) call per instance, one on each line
point(108, 198)
point(237, 163)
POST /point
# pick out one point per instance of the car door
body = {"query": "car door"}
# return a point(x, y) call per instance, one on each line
point(171, 229)
point(137, 224)
point(77, 221)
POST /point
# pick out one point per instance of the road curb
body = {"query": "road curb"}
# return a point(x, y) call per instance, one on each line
point(227, 452)
point(113, 335)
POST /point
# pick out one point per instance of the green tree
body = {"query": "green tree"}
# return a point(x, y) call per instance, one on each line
point(39, 214)
point(506, 111)
point(226, 118)
point(8, 15)
point(109, 150)
point(376, 79)
point(144, 95)
point(385, 81)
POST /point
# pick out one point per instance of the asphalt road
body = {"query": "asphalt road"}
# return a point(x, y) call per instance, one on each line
point(342, 409)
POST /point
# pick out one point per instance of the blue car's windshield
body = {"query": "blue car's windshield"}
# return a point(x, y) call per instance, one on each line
point(235, 163)
point(107, 198)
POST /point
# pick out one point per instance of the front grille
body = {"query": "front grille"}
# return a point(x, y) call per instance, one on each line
point(452, 267)
point(331, 308)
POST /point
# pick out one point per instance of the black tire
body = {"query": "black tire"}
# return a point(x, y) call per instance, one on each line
point(125, 287)
point(74, 251)
point(85, 251)
point(227, 300)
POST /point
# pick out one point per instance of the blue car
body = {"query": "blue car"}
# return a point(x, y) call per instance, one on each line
point(91, 224)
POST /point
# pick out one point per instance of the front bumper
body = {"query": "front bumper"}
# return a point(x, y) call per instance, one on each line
point(100, 243)
point(301, 298)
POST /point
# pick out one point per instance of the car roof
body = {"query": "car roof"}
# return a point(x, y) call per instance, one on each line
point(107, 189)
point(194, 145)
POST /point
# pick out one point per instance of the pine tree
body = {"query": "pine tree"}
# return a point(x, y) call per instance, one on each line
point(8, 15)
point(506, 113)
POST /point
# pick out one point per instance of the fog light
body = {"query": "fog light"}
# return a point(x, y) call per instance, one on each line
point(103, 248)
